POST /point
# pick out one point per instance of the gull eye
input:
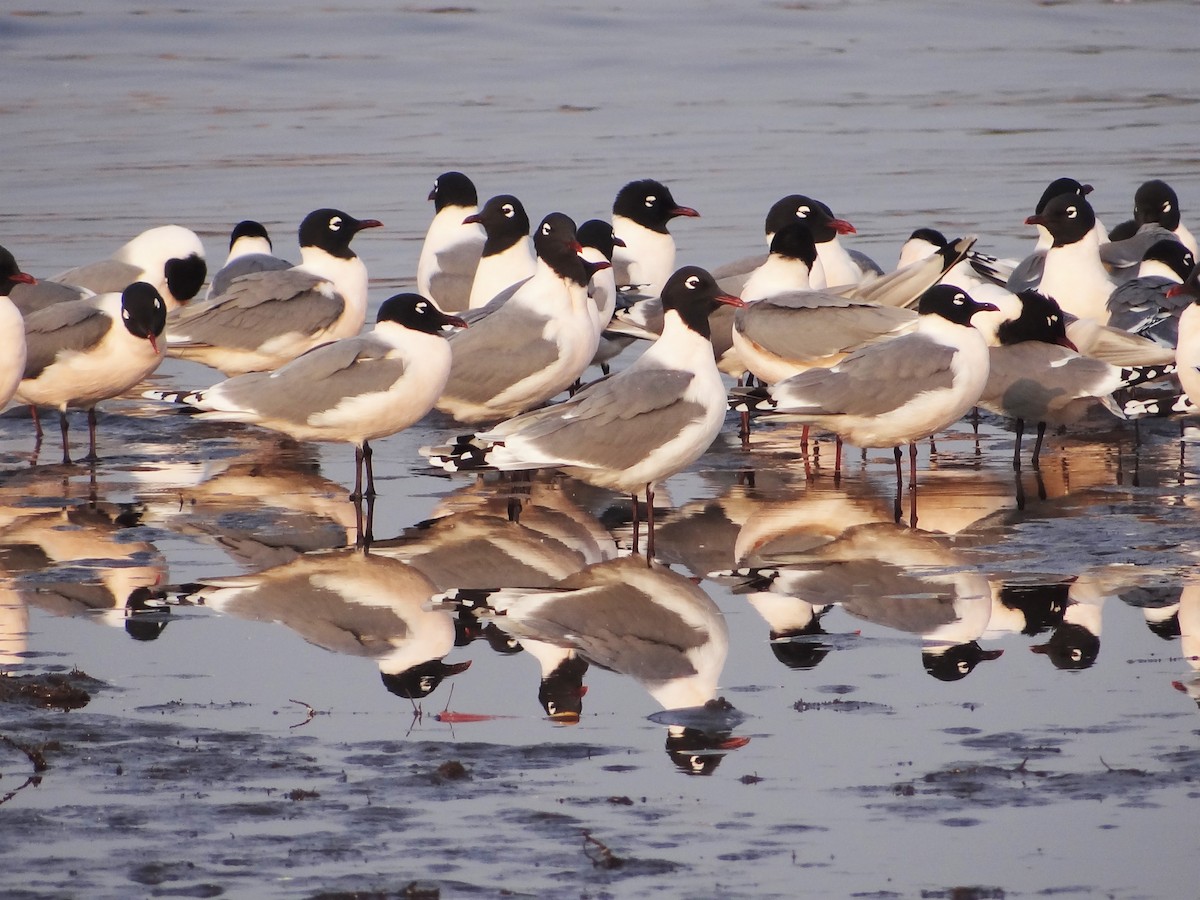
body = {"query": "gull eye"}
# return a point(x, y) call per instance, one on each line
point(124, 313)
point(335, 223)
point(960, 299)
point(964, 668)
point(427, 684)
point(1072, 212)
point(508, 210)
point(692, 282)
point(422, 308)
point(1167, 206)
point(1076, 655)
point(802, 212)
point(546, 229)
point(651, 200)
point(551, 708)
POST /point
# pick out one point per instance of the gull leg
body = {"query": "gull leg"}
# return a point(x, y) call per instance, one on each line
point(64, 426)
point(367, 454)
point(899, 481)
point(1037, 445)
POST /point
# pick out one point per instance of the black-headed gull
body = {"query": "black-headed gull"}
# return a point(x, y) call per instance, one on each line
point(629, 430)
point(250, 250)
point(509, 257)
point(266, 319)
point(535, 344)
point(451, 250)
point(354, 390)
point(83, 351)
point(641, 212)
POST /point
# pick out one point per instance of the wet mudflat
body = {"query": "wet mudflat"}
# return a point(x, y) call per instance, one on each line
point(272, 732)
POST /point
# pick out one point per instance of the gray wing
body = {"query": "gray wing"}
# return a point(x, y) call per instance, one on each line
point(905, 286)
point(317, 380)
point(76, 326)
point(245, 265)
point(259, 306)
point(616, 627)
point(1129, 252)
point(471, 316)
point(496, 354)
point(29, 298)
point(1028, 273)
point(104, 277)
point(1142, 306)
point(871, 381)
point(451, 284)
point(864, 262)
point(737, 271)
point(804, 325)
point(615, 422)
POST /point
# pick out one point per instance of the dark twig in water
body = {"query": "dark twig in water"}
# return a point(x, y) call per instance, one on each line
point(312, 714)
point(600, 855)
point(34, 754)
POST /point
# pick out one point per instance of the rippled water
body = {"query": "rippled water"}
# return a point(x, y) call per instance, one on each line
point(851, 770)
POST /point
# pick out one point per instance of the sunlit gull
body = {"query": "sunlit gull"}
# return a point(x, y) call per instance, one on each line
point(268, 318)
point(508, 254)
point(354, 390)
point(452, 247)
point(250, 250)
point(534, 345)
point(83, 351)
point(629, 430)
point(170, 257)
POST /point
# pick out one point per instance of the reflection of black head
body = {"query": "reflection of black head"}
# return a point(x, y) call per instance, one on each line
point(1071, 647)
point(957, 661)
point(801, 649)
point(561, 692)
point(1041, 604)
point(501, 641)
point(1167, 629)
point(145, 615)
point(421, 680)
point(694, 752)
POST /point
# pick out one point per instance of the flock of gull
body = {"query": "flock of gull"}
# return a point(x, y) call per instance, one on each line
point(507, 318)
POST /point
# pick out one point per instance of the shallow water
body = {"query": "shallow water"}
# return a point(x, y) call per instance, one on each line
point(861, 773)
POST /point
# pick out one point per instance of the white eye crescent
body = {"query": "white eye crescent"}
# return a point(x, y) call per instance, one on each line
point(802, 212)
point(692, 282)
point(422, 307)
point(1167, 206)
point(124, 314)
point(508, 210)
point(960, 299)
point(651, 200)
point(1072, 212)
point(546, 229)
point(335, 223)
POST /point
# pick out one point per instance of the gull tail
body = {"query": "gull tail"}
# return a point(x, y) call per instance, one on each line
point(467, 453)
point(751, 399)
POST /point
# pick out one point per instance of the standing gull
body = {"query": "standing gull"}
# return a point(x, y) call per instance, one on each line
point(250, 250)
point(83, 351)
point(452, 247)
point(641, 213)
point(354, 390)
point(12, 328)
point(532, 346)
point(508, 255)
point(169, 257)
point(630, 430)
point(895, 392)
point(266, 319)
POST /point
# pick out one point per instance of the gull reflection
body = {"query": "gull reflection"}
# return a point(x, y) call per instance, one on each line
point(84, 561)
point(1075, 641)
point(471, 542)
point(264, 507)
point(352, 603)
point(646, 622)
point(900, 579)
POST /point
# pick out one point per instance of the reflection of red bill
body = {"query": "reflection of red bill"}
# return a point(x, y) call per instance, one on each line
point(732, 743)
point(457, 718)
